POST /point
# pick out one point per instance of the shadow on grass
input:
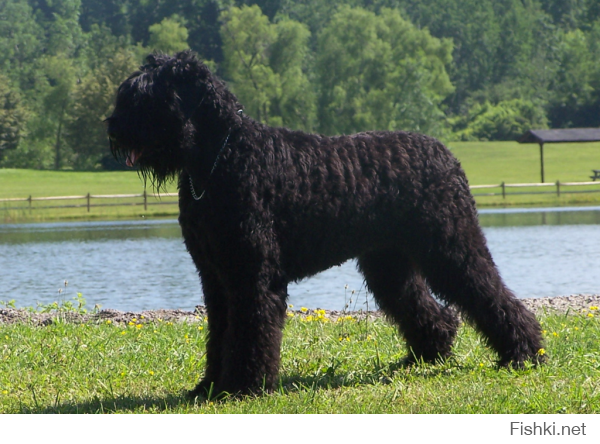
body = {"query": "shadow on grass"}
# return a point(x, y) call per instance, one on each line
point(329, 380)
point(118, 404)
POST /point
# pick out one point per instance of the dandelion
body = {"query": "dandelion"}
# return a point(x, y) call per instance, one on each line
point(142, 317)
point(290, 314)
point(123, 332)
point(130, 323)
point(589, 315)
point(541, 352)
point(481, 365)
point(133, 320)
point(555, 334)
point(303, 309)
point(291, 306)
point(5, 392)
point(593, 307)
point(108, 321)
point(138, 326)
point(151, 373)
point(200, 328)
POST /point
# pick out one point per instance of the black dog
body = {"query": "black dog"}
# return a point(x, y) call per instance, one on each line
point(261, 207)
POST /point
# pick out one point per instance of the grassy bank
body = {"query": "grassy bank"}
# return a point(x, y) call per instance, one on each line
point(484, 162)
point(349, 366)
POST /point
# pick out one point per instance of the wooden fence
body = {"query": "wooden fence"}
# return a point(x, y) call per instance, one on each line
point(558, 188)
point(146, 199)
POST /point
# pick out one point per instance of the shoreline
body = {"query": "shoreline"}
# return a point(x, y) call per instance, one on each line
point(572, 304)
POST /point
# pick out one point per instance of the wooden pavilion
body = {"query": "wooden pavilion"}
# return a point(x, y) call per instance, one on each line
point(568, 135)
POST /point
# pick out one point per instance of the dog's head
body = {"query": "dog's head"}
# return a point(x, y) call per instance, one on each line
point(169, 106)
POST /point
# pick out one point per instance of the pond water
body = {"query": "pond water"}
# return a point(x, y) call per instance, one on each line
point(143, 265)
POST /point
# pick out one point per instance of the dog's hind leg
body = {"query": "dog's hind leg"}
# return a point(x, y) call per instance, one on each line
point(402, 294)
point(459, 269)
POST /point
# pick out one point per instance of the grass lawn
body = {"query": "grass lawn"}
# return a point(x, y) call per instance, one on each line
point(327, 367)
point(24, 183)
point(484, 162)
point(511, 162)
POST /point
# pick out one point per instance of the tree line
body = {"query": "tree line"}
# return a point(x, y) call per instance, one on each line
point(455, 69)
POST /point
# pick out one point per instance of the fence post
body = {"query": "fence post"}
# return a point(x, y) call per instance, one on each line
point(503, 190)
point(558, 188)
point(88, 202)
point(29, 200)
point(145, 201)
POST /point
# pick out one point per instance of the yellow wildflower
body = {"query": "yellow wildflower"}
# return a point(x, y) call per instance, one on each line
point(590, 315)
point(303, 309)
point(593, 307)
point(541, 352)
point(138, 326)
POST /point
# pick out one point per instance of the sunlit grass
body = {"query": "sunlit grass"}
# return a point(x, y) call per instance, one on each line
point(346, 365)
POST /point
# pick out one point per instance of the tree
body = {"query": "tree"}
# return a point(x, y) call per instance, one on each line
point(380, 72)
point(12, 117)
point(265, 63)
point(505, 121)
point(575, 100)
point(92, 103)
point(168, 36)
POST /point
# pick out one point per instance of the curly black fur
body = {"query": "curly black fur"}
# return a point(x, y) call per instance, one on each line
point(276, 206)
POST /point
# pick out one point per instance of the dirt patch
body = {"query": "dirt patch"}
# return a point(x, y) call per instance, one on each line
point(572, 304)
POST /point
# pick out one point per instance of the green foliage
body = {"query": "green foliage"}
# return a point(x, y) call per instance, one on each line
point(381, 72)
point(168, 36)
point(92, 103)
point(12, 117)
point(507, 120)
point(432, 66)
point(265, 62)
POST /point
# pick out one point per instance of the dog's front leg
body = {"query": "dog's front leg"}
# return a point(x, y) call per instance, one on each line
point(252, 341)
point(216, 308)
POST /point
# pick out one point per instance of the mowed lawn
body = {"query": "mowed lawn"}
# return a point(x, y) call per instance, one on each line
point(489, 163)
point(24, 183)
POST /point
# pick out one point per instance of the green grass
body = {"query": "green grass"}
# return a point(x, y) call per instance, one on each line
point(343, 367)
point(488, 163)
point(484, 162)
point(511, 162)
point(24, 183)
